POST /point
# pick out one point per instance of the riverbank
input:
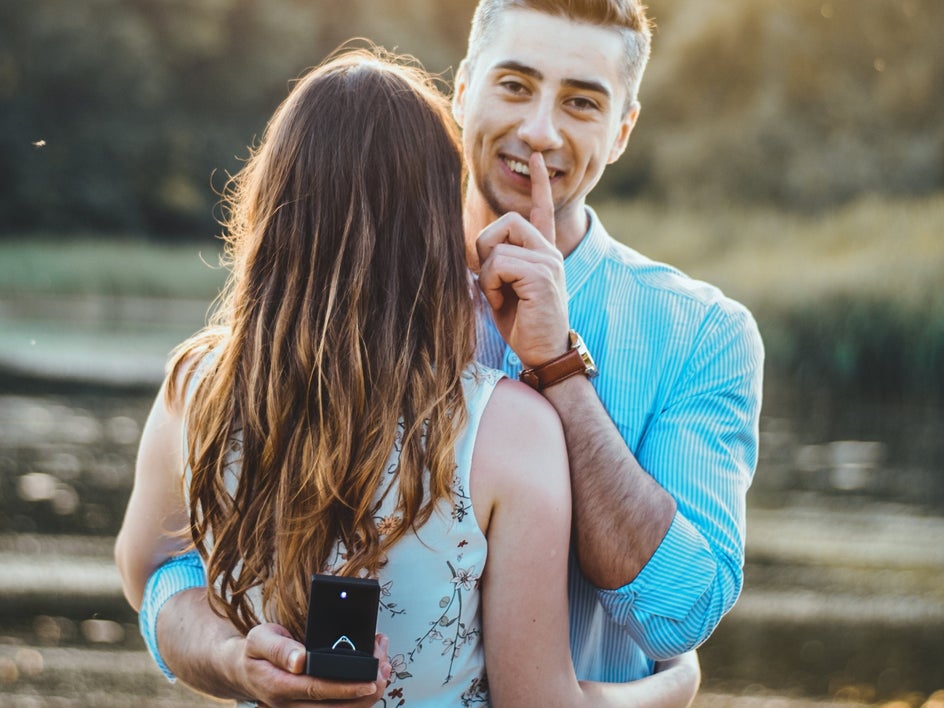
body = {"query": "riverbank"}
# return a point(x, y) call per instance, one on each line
point(93, 338)
point(851, 300)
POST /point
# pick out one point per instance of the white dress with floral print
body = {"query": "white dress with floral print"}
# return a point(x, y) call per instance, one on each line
point(430, 596)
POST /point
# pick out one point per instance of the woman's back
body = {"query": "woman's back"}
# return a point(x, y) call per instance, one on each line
point(432, 591)
point(430, 604)
point(434, 595)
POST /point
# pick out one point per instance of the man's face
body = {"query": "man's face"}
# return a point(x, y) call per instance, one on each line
point(542, 84)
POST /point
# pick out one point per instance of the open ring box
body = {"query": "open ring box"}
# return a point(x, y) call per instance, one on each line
point(342, 622)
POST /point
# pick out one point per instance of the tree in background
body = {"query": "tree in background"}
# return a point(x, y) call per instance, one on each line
point(144, 106)
point(126, 115)
point(803, 104)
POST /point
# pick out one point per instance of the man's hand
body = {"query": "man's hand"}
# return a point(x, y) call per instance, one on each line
point(522, 275)
point(270, 667)
point(207, 653)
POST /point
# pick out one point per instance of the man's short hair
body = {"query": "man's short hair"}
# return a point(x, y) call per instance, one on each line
point(628, 17)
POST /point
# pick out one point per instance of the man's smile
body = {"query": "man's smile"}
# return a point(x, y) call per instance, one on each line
point(522, 168)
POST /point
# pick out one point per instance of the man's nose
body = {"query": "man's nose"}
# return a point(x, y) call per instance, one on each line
point(538, 128)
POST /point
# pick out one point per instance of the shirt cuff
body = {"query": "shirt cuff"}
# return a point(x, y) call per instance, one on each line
point(679, 572)
point(176, 575)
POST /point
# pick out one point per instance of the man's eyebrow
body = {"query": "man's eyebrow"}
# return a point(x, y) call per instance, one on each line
point(517, 66)
point(583, 84)
point(593, 86)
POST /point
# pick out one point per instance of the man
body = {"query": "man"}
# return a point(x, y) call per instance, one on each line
point(662, 442)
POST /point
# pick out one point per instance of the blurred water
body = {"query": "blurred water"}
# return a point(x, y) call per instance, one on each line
point(844, 585)
point(844, 592)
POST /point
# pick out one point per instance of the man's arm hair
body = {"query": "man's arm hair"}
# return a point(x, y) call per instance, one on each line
point(662, 535)
point(621, 514)
point(209, 654)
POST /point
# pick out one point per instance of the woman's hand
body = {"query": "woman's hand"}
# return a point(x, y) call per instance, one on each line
point(673, 685)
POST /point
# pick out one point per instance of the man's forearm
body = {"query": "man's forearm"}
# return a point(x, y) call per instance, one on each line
point(195, 643)
point(621, 514)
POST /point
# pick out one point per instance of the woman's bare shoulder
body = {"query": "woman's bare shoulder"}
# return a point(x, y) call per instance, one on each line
point(513, 404)
point(520, 440)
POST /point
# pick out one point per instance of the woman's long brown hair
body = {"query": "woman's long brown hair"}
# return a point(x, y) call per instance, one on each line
point(348, 313)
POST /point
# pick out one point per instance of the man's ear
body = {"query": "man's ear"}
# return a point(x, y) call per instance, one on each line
point(458, 95)
point(627, 123)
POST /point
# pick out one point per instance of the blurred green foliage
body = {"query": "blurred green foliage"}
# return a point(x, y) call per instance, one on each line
point(84, 266)
point(804, 104)
point(850, 300)
point(126, 115)
point(847, 301)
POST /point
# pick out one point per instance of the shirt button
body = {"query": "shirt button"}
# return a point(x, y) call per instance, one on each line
point(513, 359)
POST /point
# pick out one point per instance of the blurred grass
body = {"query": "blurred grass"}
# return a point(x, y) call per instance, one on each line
point(850, 299)
point(875, 248)
point(89, 266)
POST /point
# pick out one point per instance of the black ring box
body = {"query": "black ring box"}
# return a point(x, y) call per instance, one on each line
point(342, 612)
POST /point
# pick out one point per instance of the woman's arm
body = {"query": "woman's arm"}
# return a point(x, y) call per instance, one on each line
point(520, 467)
point(674, 685)
point(520, 473)
point(157, 512)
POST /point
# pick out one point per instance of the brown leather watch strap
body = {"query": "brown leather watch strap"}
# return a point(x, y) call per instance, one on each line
point(554, 371)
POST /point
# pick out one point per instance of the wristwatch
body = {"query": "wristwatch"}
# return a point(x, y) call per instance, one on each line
point(576, 360)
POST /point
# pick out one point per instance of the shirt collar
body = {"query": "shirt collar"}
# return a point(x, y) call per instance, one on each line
point(583, 260)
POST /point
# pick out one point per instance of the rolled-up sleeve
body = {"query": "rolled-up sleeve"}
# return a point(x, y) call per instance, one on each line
point(701, 448)
point(176, 575)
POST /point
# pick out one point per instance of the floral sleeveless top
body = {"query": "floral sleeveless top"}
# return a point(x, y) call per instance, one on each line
point(430, 595)
point(429, 588)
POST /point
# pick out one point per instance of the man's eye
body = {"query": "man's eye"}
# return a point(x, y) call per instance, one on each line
point(583, 104)
point(515, 87)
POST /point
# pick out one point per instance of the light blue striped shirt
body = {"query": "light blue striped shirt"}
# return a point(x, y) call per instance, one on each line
point(680, 375)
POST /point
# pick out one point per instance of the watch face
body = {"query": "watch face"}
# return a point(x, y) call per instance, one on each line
point(577, 343)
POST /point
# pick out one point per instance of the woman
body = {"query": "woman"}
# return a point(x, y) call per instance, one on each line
point(334, 419)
